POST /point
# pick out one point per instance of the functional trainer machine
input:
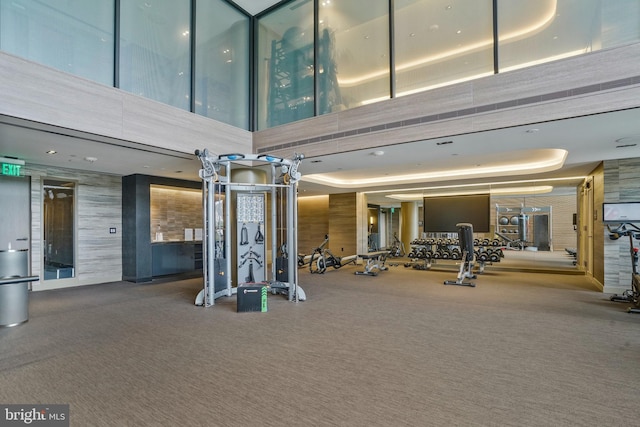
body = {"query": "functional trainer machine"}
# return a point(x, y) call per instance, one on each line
point(465, 237)
point(242, 205)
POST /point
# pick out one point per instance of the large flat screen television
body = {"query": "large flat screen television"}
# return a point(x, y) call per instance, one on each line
point(621, 212)
point(442, 213)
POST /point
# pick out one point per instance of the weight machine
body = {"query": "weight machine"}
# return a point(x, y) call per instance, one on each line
point(630, 295)
point(465, 238)
point(243, 206)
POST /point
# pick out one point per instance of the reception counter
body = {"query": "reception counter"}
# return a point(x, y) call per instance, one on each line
point(175, 257)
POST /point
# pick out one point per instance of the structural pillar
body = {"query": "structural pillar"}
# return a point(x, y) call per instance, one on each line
point(408, 223)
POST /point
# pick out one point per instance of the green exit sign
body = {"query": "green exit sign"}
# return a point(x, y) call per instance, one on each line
point(10, 169)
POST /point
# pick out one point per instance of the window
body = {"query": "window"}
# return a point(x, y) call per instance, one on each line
point(222, 63)
point(353, 54)
point(532, 33)
point(75, 36)
point(285, 65)
point(438, 44)
point(155, 50)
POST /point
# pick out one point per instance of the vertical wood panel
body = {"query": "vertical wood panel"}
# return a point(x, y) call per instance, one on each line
point(343, 224)
point(313, 222)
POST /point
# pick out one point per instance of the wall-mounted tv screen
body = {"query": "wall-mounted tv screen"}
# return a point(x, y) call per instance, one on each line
point(621, 212)
point(442, 213)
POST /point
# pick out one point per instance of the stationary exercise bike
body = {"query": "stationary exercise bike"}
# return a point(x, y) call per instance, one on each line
point(397, 248)
point(321, 258)
point(630, 295)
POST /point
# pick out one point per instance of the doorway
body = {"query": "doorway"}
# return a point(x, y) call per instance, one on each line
point(58, 228)
point(15, 227)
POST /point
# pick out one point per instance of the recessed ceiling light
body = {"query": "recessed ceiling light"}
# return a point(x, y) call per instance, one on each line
point(378, 153)
point(534, 130)
point(91, 159)
point(51, 152)
point(459, 32)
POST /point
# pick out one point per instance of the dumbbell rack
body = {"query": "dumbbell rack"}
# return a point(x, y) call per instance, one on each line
point(426, 252)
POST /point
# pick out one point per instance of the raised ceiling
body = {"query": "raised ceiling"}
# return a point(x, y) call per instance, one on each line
point(255, 6)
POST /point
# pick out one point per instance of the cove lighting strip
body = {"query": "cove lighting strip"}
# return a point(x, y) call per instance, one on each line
point(554, 161)
point(538, 189)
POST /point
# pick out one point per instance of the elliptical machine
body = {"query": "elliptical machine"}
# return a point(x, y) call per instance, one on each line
point(321, 258)
point(630, 295)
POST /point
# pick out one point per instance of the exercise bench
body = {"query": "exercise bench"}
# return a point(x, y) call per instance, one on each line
point(375, 262)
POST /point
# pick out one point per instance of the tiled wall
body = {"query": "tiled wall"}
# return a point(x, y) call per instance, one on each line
point(98, 209)
point(621, 178)
point(173, 210)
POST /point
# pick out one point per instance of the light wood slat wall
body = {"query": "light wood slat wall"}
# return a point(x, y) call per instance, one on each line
point(583, 71)
point(98, 208)
point(621, 179)
point(37, 93)
point(343, 224)
point(594, 217)
point(313, 222)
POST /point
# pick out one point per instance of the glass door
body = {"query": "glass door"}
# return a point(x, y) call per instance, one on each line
point(58, 228)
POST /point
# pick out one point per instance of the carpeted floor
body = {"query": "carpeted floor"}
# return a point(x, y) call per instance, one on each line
point(399, 349)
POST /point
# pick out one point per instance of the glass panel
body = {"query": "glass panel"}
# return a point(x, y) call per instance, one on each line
point(438, 44)
point(222, 63)
point(353, 54)
point(285, 65)
point(154, 50)
point(75, 36)
point(531, 33)
point(58, 228)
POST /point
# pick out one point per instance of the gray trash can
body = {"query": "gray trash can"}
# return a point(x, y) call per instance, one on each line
point(14, 287)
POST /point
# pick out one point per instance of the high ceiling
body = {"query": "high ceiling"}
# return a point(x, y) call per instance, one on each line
point(255, 6)
point(587, 140)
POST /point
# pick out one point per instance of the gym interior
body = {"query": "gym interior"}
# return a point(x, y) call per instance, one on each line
point(423, 212)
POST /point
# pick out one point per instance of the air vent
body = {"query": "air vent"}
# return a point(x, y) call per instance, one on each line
point(444, 142)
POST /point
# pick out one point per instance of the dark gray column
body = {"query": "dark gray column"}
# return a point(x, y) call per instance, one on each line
point(136, 237)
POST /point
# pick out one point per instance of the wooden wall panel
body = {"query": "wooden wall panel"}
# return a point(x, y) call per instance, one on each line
point(343, 224)
point(582, 85)
point(40, 94)
point(599, 235)
point(313, 222)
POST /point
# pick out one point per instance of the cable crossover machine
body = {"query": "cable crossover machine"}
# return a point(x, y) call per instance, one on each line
point(236, 229)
